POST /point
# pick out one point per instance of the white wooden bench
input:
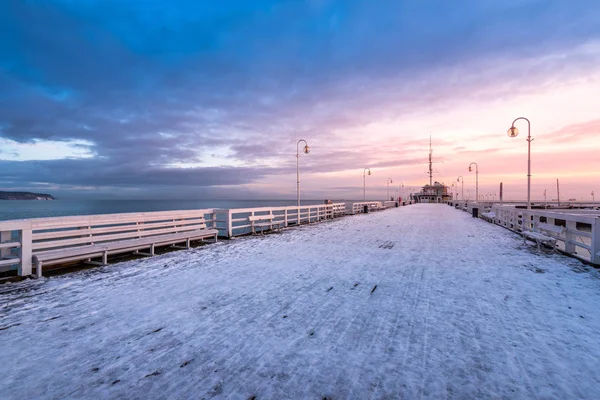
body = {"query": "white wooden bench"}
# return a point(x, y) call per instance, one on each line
point(72, 241)
point(547, 234)
point(264, 221)
point(488, 216)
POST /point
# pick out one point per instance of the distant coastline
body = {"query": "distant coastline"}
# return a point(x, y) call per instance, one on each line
point(24, 196)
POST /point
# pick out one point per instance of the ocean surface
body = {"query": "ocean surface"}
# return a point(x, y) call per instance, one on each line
point(19, 209)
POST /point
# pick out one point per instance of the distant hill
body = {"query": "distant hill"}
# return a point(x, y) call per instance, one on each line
point(24, 196)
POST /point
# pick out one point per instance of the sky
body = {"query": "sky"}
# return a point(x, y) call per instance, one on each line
point(204, 99)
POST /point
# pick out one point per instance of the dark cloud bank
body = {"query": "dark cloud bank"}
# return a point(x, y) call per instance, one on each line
point(155, 84)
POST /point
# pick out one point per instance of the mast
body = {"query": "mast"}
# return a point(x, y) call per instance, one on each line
point(430, 162)
point(558, 192)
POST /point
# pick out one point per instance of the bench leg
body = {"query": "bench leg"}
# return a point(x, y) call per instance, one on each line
point(38, 269)
point(149, 254)
point(105, 258)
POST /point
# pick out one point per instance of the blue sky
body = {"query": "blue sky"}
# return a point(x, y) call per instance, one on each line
point(164, 99)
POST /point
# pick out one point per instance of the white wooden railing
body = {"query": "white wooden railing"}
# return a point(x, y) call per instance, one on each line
point(580, 238)
point(21, 238)
point(236, 221)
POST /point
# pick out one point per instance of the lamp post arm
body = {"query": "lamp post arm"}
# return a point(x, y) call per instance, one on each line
point(529, 140)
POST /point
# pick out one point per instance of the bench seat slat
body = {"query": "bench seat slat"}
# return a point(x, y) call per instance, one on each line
point(268, 224)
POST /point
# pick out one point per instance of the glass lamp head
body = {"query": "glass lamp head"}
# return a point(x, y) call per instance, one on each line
point(470, 168)
point(306, 149)
point(369, 173)
point(512, 132)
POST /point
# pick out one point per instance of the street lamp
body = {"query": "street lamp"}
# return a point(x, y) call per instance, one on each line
point(389, 180)
point(545, 202)
point(400, 191)
point(306, 150)
point(513, 132)
point(461, 179)
point(593, 199)
point(476, 180)
point(365, 182)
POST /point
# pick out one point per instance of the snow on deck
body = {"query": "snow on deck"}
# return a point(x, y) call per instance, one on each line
point(415, 302)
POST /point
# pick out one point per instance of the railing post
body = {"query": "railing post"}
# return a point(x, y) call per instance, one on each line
point(595, 257)
point(570, 237)
point(229, 223)
point(285, 223)
point(25, 252)
point(5, 236)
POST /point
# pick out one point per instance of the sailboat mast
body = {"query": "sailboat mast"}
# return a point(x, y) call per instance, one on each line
point(430, 167)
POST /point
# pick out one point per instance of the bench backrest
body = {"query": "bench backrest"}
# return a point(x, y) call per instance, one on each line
point(551, 228)
point(83, 231)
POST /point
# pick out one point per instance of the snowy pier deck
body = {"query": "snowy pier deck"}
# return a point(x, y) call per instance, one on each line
point(414, 302)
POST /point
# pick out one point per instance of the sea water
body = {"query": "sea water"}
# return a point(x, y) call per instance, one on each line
point(19, 209)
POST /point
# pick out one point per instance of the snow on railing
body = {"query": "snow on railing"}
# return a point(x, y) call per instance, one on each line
point(580, 237)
